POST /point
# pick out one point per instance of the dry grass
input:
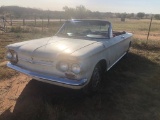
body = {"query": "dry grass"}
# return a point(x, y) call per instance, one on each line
point(130, 90)
point(139, 28)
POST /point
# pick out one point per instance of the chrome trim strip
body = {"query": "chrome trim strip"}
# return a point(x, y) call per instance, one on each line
point(64, 82)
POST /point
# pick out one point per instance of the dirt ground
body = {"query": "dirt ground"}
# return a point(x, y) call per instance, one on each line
point(10, 90)
point(22, 95)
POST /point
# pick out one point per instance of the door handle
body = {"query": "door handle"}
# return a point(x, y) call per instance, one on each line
point(122, 36)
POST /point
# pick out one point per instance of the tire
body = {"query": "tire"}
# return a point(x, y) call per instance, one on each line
point(128, 48)
point(95, 83)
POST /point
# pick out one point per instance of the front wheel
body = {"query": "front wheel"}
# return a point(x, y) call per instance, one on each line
point(95, 83)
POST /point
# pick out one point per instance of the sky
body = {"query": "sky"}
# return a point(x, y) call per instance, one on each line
point(128, 6)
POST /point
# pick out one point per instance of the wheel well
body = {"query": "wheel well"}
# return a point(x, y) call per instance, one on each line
point(129, 46)
point(103, 64)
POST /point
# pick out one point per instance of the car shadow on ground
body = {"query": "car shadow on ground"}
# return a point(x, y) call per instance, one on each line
point(44, 101)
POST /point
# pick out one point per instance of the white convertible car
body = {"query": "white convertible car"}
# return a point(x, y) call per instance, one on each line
point(76, 57)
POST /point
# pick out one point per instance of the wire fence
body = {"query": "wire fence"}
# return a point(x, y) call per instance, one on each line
point(139, 27)
point(9, 25)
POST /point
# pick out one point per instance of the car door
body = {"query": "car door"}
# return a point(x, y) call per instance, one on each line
point(114, 49)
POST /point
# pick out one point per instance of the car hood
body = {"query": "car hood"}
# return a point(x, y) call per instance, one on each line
point(48, 48)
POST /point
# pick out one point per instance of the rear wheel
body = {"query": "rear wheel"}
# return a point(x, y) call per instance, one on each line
point(128, 47)
point(128, 50)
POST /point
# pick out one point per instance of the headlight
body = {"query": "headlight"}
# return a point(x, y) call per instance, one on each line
point(63, 66)
point(9, 55)
point(76, 68)
point(12, 56)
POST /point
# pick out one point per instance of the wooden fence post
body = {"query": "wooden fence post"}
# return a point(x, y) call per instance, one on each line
point(35, 21)
point(42, 24)
point(23, 22)
point(149, 29)
point(4, 22)
point(11, 19)
point(48, 21)
point(60, 19)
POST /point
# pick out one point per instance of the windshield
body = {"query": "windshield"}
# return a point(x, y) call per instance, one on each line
point(87, 29)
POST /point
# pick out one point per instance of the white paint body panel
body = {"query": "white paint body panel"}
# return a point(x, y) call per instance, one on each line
point(42, 55)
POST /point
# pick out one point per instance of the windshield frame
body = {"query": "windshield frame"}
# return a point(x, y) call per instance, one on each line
point(92, 35)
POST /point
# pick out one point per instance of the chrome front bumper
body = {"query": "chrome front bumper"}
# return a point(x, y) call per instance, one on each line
point(64, 82)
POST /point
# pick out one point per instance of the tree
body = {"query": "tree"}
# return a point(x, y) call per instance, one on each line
point(157, 16)
point(140, 15)
point(131, 15)
point(81, 11)
point(69, 12)
point(123, 17)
